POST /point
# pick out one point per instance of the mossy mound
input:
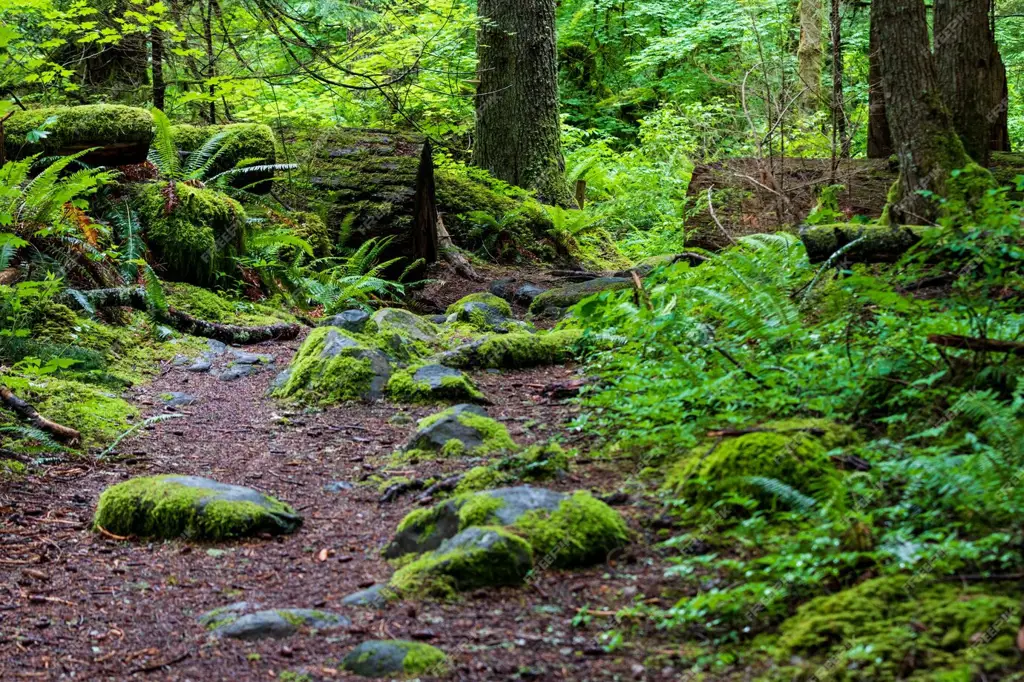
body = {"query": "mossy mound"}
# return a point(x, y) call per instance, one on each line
point(517, 350)
point(895, 628)
point(395, 658)
point(462, 429)
point(874, 243)
point(535, 463)
point(793, 452)
point(566, 530)
point(332, 367)
point(432, 383)
point(252, 143)
point(554, 302)
point(482, 478)
point(479, 556)
point(99, 414)
point(191, 507)
point(213, 307)
point(122, 133)
point(487, 298)
point(193, 232)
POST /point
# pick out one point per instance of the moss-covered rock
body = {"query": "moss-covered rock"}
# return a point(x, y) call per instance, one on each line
point(554, 302)
point(99, 414)
point(192, 507)
point(862, 243)
point(566, 530)
point(794, 452)
point(213, 307)
point(479, 556)
point(395, 658)
point(193, 232)
point(517, 350)
point(893, 628)
point(332, 367)
point(252, 143)
point(481, 478)
point(467, 425)
point(248, 622)
point(122, 134)
point(431, 383)
point(487, 298)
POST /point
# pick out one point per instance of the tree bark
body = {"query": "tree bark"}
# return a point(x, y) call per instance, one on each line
point(517, 124)
point(156, 44)
point(841, 139)
point(809, 52)
point(968, 68)
point(922, 129)
point(879, 138)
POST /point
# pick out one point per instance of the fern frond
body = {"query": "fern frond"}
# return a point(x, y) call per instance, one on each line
point(783, 492)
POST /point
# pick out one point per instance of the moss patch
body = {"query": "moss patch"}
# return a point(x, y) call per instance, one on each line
point(487, 298)
point(481, 478)
point(571, 294)
point(101, 416)
point(163, 507)
point(242, 141)
point(330, 367)
point(197, 238)
point(404, 386)
point(510, 351)
point(888, 629)
point(77, 128)
point(582, 531)
point(213, 307)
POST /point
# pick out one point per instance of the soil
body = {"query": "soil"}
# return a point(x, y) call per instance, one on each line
point(76, 604)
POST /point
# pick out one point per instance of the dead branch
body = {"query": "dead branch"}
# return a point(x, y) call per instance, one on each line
point(29, 415)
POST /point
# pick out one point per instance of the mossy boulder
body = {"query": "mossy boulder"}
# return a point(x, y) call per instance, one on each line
point(862, 243)
point(395, 658)
point(896, 628)
point(193, 232)
point(374, 597)
point(554, 302)
point(461, 429)
point(332, 367)
point(517, 350)
point(488, 299)
point(481, 478)
point(794, 452)
point(192, 507)
point(479, 556)
point(352, 321)
point(121, 134)
point(567, 530)
point(432, 383)
point(98, 413)
point(404, 324)
point(213, 307)
point(252, 143)
point(247, 622)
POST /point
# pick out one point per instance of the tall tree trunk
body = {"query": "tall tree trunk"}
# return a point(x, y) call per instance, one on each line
point(156, 46)
point(965, 55)
point(517, 124)
point(840, 138)
point(211, 67)
point(809, 52)
point(879, 138)
point(1000, 141)
point(922, 129)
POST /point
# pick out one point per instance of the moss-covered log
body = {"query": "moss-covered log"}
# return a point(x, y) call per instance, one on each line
point(241, 141)
point(373, 184)
point(748, 201)
point(136, 298)
point(120, 134)
point(860, 243)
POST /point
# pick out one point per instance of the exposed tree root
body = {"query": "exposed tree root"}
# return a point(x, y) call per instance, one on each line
point(129, 297)
point(29, 415)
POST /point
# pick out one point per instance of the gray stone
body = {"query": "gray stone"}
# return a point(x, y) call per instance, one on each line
point(554, 302)
point(435, 435)
point(444, 523)
point(438, 319)
point(434, 375)
point(180, 360)
point(381, 366)
point(217, 347)
point(201, 365)
point(376, 597)
point(404, 324)
point(503, 288)
point(335, 343)
point(236, 622)
point(509, 561)
point(338, 486)
point(351, 320)
point(178, 399)
point(527, 292)
point(484, 317)
point(236, 372)
point(241, 357)
point(387, 658)
point(280, 380)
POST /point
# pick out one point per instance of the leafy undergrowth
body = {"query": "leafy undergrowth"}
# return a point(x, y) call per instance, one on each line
point(805, 435)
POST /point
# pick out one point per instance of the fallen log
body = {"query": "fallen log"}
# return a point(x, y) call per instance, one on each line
point(977, 345)
point(860, 243)
point(135, 297)
point(117, 135)
point(29, 415)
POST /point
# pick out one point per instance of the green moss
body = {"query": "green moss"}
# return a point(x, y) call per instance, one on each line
point(477, 510)
point(76, 128)
point(11, 469)
point(542, 461)
point(496, 302)
point(793, 452)
point(210, 306)
point(890, 629)
point(197, 239)
point(879, 243)
point(402, 387)
point(423, 659)
point(571, 294)
point(99, 415)
point(52, 321)
point(582, 531)
point(453, 448)
point(481, 478)
point(442, 573)
point(153, 507)
point(250, 142)
point(318, 380)
point(517, 350)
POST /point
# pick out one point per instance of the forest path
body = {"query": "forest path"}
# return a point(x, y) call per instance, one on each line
point(78, 605)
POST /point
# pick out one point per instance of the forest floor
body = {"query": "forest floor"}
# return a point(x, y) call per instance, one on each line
point(75, 604)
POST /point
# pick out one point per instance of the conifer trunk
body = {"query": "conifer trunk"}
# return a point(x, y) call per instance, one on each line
point(517, 125)
point(922, 128)
point(879, 137)
point(809, 52)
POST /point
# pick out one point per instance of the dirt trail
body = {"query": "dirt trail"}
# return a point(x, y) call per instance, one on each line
point(77, 605)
